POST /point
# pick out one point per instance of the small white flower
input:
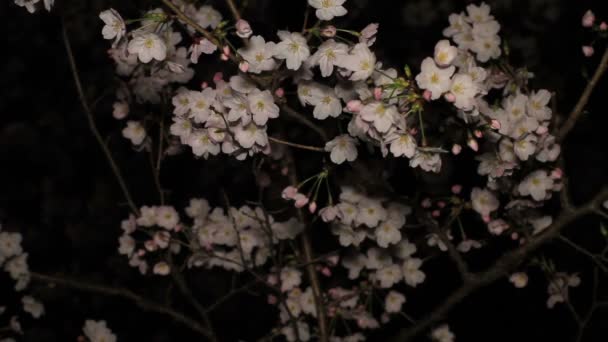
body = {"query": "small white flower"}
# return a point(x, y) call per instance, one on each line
point(342, 148)
point(248, 136)
point(445, 53)
point(411, 272)
point(464, 90)
point(433, 78)
point(10, 245)
point(525, 147)
point(328, 105)
point(402, 144)
point(536, 184)
point(134, 132)
point(203, 46)
point(262, 106)
point(303, 332)
point(201, 103)
point(148, 46)
point(387, 234)
point(32, 306)
point(361, 61)
point(126, 245)
point(167, 217)
point(389, 275)
point(442, 333)
point(114, 25)
point(328, 55)
point(519, 279)
point(207, 16)
point(307, 302)
point(404, 249)
point(382, 116)
point(483, 201)
point(537, 105)
point(393, 302)
point(290, 278)
point(258, 54)
point(427, 161)
point(292, 48)
point(371, 213)
point(328, 9)
point(97, 331)
point(202, 144)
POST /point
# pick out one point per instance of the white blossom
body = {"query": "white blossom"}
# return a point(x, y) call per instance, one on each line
point(361, 61)
point(114, 25)
point(536, 184)
point(433, 78)
point(258, 54)
point(97, 331)
point(292, 48)
point(483, 201)
point(411, 272)
point(148, 46)
point(328, 55)
point(393, 302)
point(134, 132)
point(342, 148)
point(328, 9)
point(442, 333)
point(262, 106)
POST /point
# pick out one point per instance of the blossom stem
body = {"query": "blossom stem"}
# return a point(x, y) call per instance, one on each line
point(421, 122)
point(93, 126)
point(233, 9)
point(300, 146)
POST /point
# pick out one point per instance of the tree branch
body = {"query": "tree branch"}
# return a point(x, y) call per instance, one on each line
point(92, 125)
point(582, 102)
point(500, 268)
point(300, 146)
point(138, 300)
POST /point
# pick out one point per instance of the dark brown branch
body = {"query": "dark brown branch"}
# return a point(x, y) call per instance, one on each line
point(501, 267)
point(138, 300)
point(584, 99)
point(93, 126)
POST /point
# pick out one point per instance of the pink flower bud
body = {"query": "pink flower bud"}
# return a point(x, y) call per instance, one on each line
point(449, 97)
point(354, 106)
point(301, 200)
point(413, 131)
point(456, 188)
point(541, 130)
point(557, 173)
point(441, 204)
point(224, 57)
point(226, 50)
point(272, 299)
point(603, 26)
point(289, 192)
point(427, 95)
point(280, 92)
point(426, 203)
point(378, 93)
point(285, 171)
point(495, 124)
point(272, 280)
point(486, 218)
point(328, 214)
point(326, 271)
point(472, 143)
point(218, 77)
point(243, 29)
point(204, 85)
point(436, 213)
point(333, 260)
point(588, 50)
point(456, 149)
point(150, 245)
point(244, 66)
point(514, 236)
point(478, 133)
point(121, 110)
point(141, 253)
point(588, 19)
point(312, 207)
point(328, 31)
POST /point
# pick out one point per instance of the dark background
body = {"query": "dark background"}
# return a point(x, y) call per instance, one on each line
point(56, 188)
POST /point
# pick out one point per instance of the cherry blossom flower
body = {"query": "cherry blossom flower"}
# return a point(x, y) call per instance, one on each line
point(427, 161)
point(411, 272)
point(519, 279)
point(442, 333)
point(207, 16)
point(290, 278)
point(328, 55)
point(433, 78)
point(203, 45)
point(292, 48)
point(167, 217)
point(97, 331)
point(258, 55)
point(464, 90)
point(262, 106)
point(393, 302)
point(483, 201)
point(380, 115)
point(328, 9)
point(536, 184)
point(134, 132)
point(388, 276)
point(342, 148)
point(444, 53)
point(243, 29)
point(114, 25)
point(148, 46)
point(32, 306)
point(361, 61)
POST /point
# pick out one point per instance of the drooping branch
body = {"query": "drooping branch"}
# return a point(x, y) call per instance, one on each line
point(143, 303)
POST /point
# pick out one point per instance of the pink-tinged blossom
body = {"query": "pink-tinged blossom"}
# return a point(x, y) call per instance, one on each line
point(134, 132)
point(433, 78)
point(342, 148)
point(147, 47)
point(293, 48)
point(114, 27)
point(328, 9)
point(588, 19)
point(258, 55)
point(243, 29)
point(483, 201)
point(202, 46)
point(361, 61)
point(262, 106)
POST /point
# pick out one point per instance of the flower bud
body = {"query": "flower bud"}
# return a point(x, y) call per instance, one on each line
point(289, 192)
point(301, 200)
point(312, 207)
point(456, 149)
point(218, 77)
point(495, 124)
point(456, 189)
point(472, 143)
point(243, 29)
point(603, 26)
point(354, 106)
point(588, 19)
point(328, 31)
point(588, 50)
point(378, 93)
point(244, 66)
point(280, 92)
point(519, 279)
point(121, 110)
point(427, 95)
point(449, 97)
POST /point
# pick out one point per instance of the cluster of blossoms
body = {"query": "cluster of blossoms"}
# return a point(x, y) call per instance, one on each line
point(14, 261)
point(601, 29)
point(233, 240)
point(31, 5)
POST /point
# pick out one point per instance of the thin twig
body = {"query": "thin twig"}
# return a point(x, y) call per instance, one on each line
point(300, 146)
point(93, 126)
point(233, 9)
point(183, 17)
point(584, 99)
point(144, 303)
